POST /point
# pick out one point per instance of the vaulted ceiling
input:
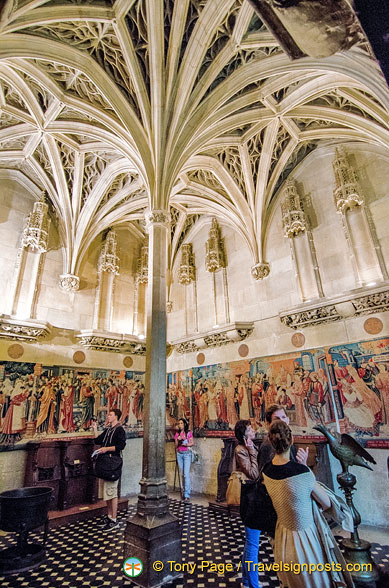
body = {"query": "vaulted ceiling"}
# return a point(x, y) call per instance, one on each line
point(110, 108)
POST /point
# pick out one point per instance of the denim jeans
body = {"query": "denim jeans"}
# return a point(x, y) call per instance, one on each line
point(250, 554)
point(184, 460)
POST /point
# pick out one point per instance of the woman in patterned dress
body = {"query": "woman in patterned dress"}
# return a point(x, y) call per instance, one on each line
point(293, 489)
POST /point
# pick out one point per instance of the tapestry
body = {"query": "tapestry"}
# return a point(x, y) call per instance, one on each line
point(345, 387)
point(39, 401)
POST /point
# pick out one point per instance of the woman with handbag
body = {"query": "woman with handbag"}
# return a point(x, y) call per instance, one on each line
point(112, 441)
point(294, 492)
point(245, 457)
point(183, 440)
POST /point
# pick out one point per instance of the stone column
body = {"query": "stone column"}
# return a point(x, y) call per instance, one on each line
point(187, 277)
point(28, 267)
point(216, 260)
point(296, 228)
point(365, 251)
point(153, 534)
point(107, 269)
point(141, 281)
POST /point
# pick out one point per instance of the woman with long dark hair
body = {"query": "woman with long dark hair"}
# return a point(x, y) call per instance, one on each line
point(183, 439)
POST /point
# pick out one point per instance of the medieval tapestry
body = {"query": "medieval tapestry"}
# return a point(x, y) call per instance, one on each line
point(38, 400)
point(360, 377)
point(346, 388)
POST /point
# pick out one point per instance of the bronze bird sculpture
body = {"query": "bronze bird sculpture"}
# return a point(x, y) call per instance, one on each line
point(348, 451)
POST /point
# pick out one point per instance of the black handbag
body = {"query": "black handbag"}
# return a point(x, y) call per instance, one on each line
point(108, 466)
point(256, 508)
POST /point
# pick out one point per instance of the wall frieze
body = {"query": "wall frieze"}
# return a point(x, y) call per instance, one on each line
point(224, 335)
point(365, 301)
point(111, 342)
point(23, 330)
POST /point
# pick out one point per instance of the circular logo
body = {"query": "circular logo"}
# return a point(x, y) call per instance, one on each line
point(132, 567)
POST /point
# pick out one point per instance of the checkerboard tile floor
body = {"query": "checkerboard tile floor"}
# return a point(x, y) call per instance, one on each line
point(82, 555)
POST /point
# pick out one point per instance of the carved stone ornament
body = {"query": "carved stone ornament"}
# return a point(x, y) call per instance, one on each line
point(143, 266)
point(112, 342)
point(28, 330)
point(346, 194)
point(260, 270)
point(108, 260)
point(36, 230)
point(215, 258)
point(169, 306)
point(376, 300)
point(216, 338)
point(187, 271)
point(293, 216)
point(69, 282)
point(157, 217)
point(186, 347)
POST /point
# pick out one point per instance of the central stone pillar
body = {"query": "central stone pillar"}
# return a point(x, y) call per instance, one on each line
point(153, 534)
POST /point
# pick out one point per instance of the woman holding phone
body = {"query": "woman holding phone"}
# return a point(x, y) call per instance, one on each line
point(183, 439)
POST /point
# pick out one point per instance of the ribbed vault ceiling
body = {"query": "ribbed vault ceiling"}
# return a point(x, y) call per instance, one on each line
point(113, 107)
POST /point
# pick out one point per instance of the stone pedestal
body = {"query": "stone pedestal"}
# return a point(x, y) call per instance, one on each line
point(155, 542)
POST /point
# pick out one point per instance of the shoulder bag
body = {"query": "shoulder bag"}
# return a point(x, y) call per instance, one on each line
point(256, 508)
point(234, 484)
point(108, 466)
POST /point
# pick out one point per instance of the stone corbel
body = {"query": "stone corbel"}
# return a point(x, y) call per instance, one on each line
point(29, 330)
point(69, 282)
point(260, 270)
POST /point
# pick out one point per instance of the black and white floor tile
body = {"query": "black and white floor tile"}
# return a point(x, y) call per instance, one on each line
point(82, 555)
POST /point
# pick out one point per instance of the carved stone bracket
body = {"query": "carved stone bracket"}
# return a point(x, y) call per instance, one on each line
point(69, 282)
point(260, 270)
point(216, 338)
point(364, 301)
point(26, 330)
point(112, 342)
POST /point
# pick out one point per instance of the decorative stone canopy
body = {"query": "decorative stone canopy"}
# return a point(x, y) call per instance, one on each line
point(36, 230)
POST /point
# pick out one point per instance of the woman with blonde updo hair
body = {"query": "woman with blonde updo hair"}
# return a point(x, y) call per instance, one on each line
point(293, 488)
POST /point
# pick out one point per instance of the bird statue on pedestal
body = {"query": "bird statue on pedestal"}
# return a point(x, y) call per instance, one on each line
point(348, 451)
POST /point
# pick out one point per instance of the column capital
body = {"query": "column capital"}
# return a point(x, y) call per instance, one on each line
point(157, 217)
